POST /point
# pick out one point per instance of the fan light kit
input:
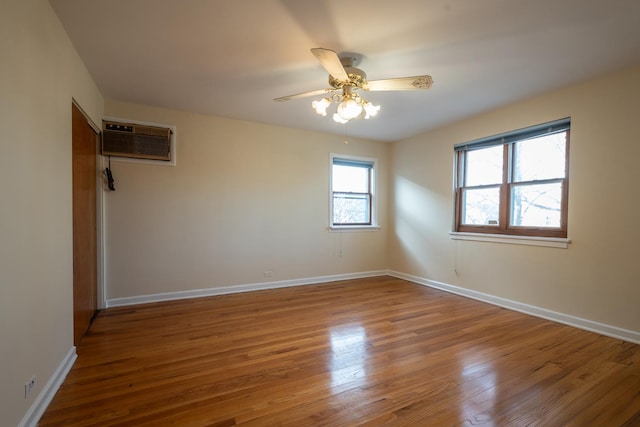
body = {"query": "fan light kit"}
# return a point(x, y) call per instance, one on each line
point(350, 106)
point(345, 80)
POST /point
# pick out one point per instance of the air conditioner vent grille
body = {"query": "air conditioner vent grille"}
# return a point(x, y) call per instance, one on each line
point(136, 141)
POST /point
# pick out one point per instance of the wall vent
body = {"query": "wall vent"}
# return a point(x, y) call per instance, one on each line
point(136, 141)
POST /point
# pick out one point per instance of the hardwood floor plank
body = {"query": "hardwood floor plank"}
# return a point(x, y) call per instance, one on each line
point(377, 351)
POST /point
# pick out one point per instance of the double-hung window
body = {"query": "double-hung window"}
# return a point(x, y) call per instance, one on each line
point(515, 183)
point(352, 191)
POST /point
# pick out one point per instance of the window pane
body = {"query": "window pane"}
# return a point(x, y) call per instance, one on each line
point(484, 166)
point(536, 205)
point(351, 209)
point(481, 206)
point(540, 158)
point(352, 179)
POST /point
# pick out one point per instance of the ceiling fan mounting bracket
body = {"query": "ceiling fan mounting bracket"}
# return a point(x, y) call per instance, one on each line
point(350, 59)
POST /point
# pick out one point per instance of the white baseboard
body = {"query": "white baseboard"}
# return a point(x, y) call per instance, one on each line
point(577, 322)
point(169, 296)
point(43, 399)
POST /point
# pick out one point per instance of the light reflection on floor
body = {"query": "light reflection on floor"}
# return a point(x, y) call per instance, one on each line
point(478, 388)
point(348, 354)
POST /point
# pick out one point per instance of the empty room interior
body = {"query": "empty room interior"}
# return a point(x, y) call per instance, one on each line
point(281, 212)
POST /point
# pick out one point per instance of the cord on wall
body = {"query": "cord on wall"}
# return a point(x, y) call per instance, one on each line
point(109, 175)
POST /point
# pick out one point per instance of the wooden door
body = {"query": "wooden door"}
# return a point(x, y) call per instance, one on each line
point(84, 224)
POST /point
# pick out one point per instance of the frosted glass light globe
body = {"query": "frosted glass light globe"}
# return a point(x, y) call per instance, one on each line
point(349, 109)
point(320, 106)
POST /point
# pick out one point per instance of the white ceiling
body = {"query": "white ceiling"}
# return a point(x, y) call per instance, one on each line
point(230, 58)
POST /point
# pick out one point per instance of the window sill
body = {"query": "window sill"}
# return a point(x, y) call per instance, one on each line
point(340, 228)
point(549, 242)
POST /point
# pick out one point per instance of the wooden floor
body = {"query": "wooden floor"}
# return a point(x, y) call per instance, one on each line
point(378, 351)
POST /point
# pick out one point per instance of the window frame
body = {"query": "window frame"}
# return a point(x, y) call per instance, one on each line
point(369, 163)
point(507, 141)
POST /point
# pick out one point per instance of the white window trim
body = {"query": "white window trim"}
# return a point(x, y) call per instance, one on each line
point(339, 228)
point(548, 242)
point(374, 199)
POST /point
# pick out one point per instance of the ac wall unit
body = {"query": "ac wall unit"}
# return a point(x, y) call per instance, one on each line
point(136, 141)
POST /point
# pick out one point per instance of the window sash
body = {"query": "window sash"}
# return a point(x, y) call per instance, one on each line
point(537, 203)
point(493, 220)
point(506, 188)
point(342, 196)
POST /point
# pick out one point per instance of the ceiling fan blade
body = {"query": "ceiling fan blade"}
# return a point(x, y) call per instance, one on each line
point(401, 83)
point(305, 94)
point(331, 62)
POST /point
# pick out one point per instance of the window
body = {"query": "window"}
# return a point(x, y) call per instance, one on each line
point(515, 183)
point(352, 191)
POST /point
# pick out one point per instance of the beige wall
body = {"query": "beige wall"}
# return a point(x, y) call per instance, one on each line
point(40, 72)
point(244, 198)
point(598, 276)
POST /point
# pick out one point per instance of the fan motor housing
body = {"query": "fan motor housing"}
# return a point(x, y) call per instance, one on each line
point(357, 78)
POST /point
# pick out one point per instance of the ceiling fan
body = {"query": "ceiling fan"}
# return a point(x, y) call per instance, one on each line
point(346, 80)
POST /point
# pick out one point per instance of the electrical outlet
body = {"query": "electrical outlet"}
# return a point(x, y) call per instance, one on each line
point(29, 386)
point(268, 273)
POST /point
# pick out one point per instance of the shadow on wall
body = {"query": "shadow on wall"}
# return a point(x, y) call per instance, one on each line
point(418, 218)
